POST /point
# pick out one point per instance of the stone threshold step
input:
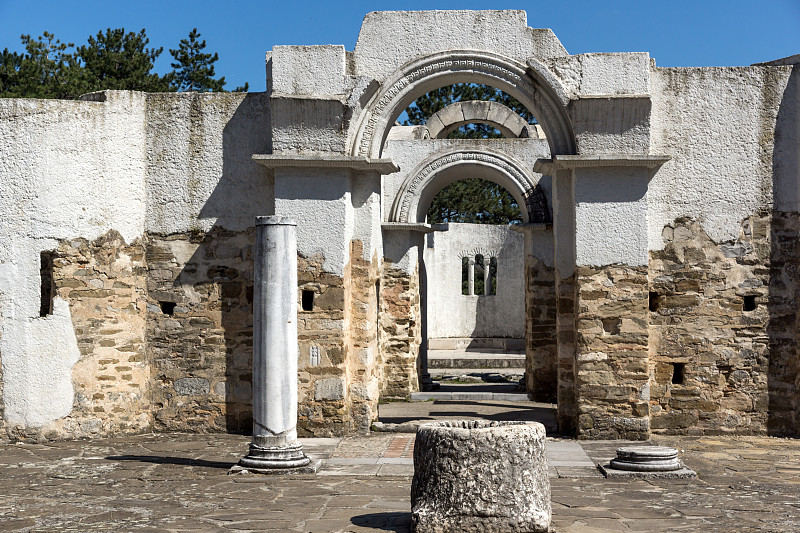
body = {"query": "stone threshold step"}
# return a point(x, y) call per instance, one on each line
point(481, 371)
point(461, 343)
point(470, 396)
point(474, 361)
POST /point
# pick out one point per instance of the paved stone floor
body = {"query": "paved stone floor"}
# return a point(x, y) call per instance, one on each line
point(180, 483)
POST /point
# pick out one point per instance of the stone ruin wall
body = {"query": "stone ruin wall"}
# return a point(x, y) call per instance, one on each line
point(400, 332)
point(163, 215)
point(541, 367)
point(724, 319)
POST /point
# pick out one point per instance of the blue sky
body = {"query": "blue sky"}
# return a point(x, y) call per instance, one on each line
point(676, 32)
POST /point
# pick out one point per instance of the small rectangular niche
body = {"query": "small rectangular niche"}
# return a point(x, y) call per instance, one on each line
point(168, 308)
point(47, 285)
point(653, 303)
point(307, 300)
point(749, 303)
point(678, 373)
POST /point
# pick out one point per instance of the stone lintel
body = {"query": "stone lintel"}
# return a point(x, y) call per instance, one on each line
point(408, 226)
point(325, 160)
point(548, 166)
point(531, 227)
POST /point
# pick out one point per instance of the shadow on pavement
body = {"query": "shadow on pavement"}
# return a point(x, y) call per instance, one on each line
point(180, 461)
point(398, 522)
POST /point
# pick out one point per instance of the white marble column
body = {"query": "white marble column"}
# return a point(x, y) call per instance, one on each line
point(275, 446)
point(487, 282)
point(471, 275)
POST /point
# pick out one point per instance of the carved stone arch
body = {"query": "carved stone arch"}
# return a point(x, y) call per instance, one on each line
point(499, 116)
point(534, 86)
point(440, 170)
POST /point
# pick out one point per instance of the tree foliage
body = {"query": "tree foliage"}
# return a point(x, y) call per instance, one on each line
point(119, 60)
point(113, 59)
point(475, 201)
point(47, 69)
point(194, 69)
point(471, 200)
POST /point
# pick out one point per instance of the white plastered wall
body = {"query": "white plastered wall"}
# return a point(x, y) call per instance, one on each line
point(452, 314)
point(70, 170)
point(718, 125)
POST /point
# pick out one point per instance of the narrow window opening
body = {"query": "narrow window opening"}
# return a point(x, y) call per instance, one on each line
point(464, 276)
point(653, 301)
point(308, 300)
point(678, 373)
point(749, 303)
point(480, 287)
point(47, 289)
point(167, 307)
point(493, 276)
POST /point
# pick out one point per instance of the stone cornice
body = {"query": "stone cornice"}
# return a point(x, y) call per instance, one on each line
point(547, 166)
point(407, 226)
point(325, 160)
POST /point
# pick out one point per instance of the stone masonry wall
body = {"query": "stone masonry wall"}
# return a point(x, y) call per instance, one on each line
point(400, 332)
point(323, 351)
point(724, 326)
point(612, 377)
point(103, 282)
point(200, 331)
point(565, 332)
point(541, 370)
point(362, 364)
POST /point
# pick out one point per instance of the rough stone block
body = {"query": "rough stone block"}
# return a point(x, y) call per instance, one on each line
point(480, 476)
point(329, 389)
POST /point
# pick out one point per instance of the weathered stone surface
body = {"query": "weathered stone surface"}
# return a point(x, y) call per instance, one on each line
point(711, 356)
point(400, 332)
point(541, 369)
point(612, 378)
point(480, 476)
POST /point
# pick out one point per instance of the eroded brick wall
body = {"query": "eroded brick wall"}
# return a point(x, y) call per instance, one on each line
point(541, 370)
point(200, 330)
point(612, 370)
point(400, 332)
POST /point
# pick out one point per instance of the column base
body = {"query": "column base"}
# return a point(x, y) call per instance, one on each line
point(287, 459)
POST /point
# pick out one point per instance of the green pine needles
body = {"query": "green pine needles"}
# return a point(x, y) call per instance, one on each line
point(112, 59)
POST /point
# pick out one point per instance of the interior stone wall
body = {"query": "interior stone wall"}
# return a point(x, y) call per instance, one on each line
point(566, 335)
point(541, 341)
point(400, 332)
point(103, 283)
point(323, 352)
point(362, 364)
point(724, 315)
point(612, 370)
point(200, 330)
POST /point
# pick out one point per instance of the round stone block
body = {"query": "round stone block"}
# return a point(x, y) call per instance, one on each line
point(477, 475)
point(646, 459)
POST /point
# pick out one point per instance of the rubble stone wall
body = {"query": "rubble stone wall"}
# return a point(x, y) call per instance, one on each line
point(724, 329)
point(612, 371)
point(541, 369)
point(400, 332)
point(103, 283)
point(200, 330)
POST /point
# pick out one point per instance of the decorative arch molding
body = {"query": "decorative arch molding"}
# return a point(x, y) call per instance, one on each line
point(478, 250)
point(499, 116)
point(432, 175)
point(533, 85)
